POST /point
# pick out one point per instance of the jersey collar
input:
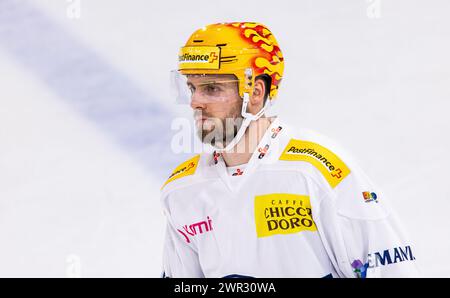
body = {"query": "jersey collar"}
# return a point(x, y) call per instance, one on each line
point(263, 152)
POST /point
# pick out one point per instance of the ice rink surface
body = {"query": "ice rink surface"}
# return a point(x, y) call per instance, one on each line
point(86, 113)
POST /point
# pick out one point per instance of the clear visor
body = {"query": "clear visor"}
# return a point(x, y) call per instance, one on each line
point(203, 88)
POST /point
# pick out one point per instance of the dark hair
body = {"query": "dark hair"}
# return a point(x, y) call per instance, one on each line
point(267, 82)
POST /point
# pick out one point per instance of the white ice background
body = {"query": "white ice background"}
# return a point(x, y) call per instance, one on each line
point(86, 113)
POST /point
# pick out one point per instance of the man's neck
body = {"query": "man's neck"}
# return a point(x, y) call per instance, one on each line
point(243, 150)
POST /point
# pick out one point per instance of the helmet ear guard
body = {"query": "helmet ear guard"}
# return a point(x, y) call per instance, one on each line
point(249, 80)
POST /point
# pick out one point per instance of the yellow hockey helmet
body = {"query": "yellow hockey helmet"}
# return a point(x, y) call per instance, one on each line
point(243, 49)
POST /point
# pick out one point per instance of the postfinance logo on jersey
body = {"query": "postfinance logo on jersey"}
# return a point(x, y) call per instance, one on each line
point(329, 164)
point(282, 213)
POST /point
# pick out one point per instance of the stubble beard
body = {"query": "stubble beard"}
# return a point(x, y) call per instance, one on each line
point(219, 132)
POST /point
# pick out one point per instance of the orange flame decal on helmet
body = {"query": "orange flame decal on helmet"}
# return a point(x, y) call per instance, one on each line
point(271, 59)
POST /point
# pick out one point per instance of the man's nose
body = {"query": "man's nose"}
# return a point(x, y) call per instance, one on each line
point(197, 102)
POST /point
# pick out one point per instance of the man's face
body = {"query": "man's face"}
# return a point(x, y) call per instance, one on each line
point(217, 107)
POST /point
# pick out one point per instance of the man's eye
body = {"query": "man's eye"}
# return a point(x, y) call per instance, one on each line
point(212, 88)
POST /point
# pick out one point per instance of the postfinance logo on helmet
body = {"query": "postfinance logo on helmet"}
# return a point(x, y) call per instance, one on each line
point(199, 58)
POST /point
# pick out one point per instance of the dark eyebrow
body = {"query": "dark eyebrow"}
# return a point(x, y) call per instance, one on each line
point(208, 83)
point(203, 84)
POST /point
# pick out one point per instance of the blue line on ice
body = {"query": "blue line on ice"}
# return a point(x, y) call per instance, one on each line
point(90, 84)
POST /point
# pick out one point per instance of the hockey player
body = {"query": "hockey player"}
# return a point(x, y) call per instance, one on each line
point(271, 201)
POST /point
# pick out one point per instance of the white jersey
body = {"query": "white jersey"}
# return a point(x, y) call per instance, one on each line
point(298, 208)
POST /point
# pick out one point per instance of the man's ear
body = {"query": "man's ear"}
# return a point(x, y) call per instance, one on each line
point(257, 98)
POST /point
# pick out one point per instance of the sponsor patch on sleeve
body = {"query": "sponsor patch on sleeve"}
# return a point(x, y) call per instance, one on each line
point(282, 213)
point(185, 169)
point(329, 164)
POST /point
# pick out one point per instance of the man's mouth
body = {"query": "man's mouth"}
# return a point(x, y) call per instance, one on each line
point(198, 118)
point(203, 122)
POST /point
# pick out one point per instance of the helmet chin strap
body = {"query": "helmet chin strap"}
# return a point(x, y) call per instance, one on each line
point(248, 118)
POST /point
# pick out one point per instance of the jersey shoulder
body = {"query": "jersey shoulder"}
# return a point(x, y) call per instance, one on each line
point(190, 171)
point(185, 169)
point(318, 153)
point(337, 173)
